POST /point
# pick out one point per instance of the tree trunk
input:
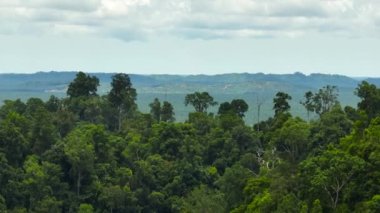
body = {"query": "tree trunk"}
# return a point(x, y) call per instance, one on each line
point(119, 119)
point(336, 199)
point(78, 182)
point(258, 117)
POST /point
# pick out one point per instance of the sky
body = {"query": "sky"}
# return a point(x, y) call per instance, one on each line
point(191, 36)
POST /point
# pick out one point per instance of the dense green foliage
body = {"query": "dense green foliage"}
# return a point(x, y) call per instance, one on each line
point(91, 153)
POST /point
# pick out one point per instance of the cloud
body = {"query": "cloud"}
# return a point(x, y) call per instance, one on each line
point(195, 19)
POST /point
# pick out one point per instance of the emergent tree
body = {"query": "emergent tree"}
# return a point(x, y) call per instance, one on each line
point(83, 85)
point(122, 95)
point(200, 101)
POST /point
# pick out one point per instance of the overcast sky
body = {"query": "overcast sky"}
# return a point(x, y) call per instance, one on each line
point(191, 36)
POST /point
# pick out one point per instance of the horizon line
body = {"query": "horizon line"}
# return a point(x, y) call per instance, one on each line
point(186, 74)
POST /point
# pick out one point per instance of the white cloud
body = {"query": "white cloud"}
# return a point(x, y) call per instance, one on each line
point(141, 19)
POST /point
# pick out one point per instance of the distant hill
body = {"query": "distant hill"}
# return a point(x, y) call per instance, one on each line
point(223, 87)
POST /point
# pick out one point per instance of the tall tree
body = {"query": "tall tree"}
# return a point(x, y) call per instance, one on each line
point(155, 109)
point(122, 95)
point(224, 108)
point(369, 96)
point(322, 101)
point(237, 106)
point(167, 112)
point(280, 102)
point(308, 103)
point(325, 99)
point(80, 90)
point(200, 101)
point(83, 85)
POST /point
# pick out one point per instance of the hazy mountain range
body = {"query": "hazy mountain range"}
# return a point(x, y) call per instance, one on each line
point(253, 88)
